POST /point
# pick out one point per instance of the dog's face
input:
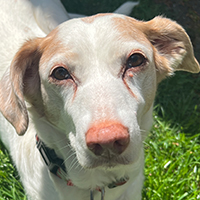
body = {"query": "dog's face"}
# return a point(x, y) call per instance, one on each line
point(95, 78)
point(93, 81)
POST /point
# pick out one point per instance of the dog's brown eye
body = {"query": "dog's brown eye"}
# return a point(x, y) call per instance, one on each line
point(60, 73)
point(135, 60)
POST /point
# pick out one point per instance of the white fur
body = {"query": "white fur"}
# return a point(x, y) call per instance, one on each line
point(95, 52)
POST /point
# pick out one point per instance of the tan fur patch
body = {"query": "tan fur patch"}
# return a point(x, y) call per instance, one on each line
point(51, 45)
point(129, 27)
point(90, 19)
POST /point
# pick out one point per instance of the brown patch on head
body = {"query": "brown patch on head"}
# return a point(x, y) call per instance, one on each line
point(128, 27)
point(90, 19)
point(52, 45)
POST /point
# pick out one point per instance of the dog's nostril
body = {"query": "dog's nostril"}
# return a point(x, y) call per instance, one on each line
point(120, 145)
point(97, 149)
point(108, 137)
point(122, 142)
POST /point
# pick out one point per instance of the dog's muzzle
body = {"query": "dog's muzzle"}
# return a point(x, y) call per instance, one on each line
point(56, 166)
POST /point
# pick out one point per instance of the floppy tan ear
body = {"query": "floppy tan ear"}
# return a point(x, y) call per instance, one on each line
point(22, 77)
point(172, 47)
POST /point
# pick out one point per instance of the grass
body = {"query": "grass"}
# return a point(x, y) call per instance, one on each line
point(172, 164)
point(10, 187)
point(172, 149)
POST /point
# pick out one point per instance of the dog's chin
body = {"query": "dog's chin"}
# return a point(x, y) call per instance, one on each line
point(102, 173)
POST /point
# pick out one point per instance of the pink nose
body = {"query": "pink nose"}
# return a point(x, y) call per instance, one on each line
point(107, 137)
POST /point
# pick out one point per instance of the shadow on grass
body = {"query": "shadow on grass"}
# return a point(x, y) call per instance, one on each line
point(91, 7)
point(178, 101)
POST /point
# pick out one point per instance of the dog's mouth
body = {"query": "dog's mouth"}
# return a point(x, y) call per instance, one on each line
point(105, 161)
point(113, 162)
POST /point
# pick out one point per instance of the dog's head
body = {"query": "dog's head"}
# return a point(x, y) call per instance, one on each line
point(92, 81)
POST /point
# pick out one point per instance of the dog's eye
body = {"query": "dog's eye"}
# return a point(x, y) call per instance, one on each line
point(135, 60)
point(60, 73)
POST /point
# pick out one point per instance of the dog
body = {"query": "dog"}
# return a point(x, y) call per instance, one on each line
point(76, 98)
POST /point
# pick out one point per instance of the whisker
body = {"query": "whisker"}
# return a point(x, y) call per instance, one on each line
point(58, 141)
point(81, 168)
point(72, 154)
point(66, 146)
point(73, 163)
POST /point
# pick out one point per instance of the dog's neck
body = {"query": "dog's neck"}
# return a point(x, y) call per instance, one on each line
point(56, 166)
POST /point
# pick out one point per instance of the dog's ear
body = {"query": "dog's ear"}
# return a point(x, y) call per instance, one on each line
point(172, 47)
point(22, 78)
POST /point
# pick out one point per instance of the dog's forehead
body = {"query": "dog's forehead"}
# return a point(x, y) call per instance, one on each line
point(99, 38)
point(103, 33)
point(102, 27)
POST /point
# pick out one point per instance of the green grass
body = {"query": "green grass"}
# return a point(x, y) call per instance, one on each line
point(10, 187)
point(172, 149)
point(172, 164)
